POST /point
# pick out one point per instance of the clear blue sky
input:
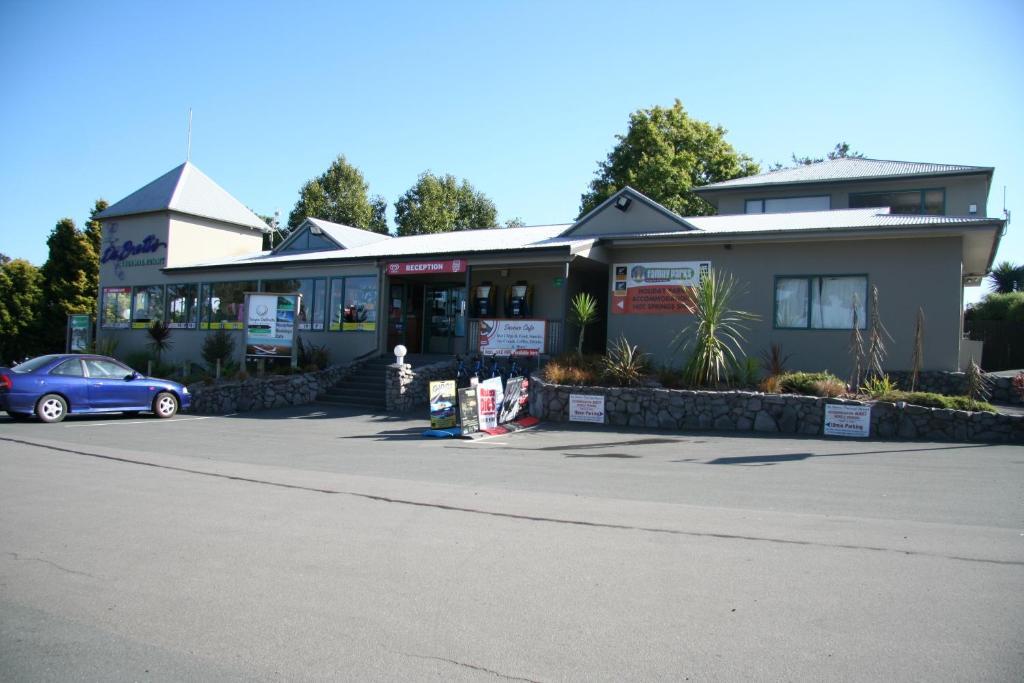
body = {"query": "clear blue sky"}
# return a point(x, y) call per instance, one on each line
point(521, 98)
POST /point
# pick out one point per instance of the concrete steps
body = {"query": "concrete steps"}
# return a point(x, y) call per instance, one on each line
point(364, 389)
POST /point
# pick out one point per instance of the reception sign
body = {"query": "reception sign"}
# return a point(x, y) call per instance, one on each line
point(427, 267)
point(664, 288)
point(270, 325)
point(512, 337)
point(442, 404)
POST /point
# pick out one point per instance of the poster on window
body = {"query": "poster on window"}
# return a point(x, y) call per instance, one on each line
point(662, 288)
point(512, 337)
point(270, 325)
point(516, 402)
point(442, 404)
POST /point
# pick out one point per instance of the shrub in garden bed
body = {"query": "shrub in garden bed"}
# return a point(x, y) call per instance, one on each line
point(930, 400)
point(811, 384)
point(573, 369)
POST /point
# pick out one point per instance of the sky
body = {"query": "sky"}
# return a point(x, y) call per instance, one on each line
point(523, 99)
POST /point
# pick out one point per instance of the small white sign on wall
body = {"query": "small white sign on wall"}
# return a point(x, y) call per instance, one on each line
point(586, 408)
point(842, 420)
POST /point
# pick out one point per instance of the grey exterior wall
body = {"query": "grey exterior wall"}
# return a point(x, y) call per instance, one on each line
point(908, 272)
point(961, 191)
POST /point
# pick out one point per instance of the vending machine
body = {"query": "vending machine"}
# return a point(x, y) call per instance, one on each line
point(485, 297)
point(519, 302)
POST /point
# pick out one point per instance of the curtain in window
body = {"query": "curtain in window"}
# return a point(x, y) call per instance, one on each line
point(832, 301)
point(791, 302)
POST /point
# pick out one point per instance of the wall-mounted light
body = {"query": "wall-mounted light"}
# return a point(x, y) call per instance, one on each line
point(623, 202)
point(972, 209)
point(316, 229)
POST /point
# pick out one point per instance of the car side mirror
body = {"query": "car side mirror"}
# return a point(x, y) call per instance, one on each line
point(130, 377)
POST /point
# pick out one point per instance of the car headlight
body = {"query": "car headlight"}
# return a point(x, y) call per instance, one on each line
point(184, 389)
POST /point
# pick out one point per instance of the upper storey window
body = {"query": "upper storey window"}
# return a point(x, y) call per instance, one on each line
point(789, 204)
point(931, 202)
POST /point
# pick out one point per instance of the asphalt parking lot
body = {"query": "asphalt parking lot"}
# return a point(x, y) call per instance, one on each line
point(311, 543)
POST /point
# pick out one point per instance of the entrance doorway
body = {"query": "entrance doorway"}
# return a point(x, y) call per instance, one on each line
point(427, 318)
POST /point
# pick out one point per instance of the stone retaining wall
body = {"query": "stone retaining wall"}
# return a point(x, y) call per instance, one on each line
point(275, 391)
point(408, 388)
point(955, 384)
point(745, 411)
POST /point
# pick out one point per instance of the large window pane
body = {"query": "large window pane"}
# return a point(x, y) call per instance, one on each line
point(791, 302)
point(182, 306)
point(935, 202)
point(755, 206)
point(117, 307)
point(311, 306)
point(832, 301)
point(353, 303)
point(790, 204)
point(912, 201)
point(224, 305)
point(147, 306)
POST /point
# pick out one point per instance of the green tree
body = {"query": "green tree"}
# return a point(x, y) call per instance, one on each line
point(840, 151)
point(665, 154)
point(21, 297)
point(67, 283)
point(94, 234)
point(1006, 277)
point(442, 204)
point(340, 195)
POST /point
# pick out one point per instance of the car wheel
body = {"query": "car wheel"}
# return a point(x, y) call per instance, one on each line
point(165, 404)
point(51, 408)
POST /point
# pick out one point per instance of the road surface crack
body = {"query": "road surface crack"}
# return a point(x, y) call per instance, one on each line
point(524, 517)
point(19, 558)
point(474, 667)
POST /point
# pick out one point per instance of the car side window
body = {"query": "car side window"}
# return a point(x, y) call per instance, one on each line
point(69, 368)
point(105, 369)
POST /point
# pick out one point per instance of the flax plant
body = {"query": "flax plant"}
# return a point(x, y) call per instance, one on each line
point(716, 333)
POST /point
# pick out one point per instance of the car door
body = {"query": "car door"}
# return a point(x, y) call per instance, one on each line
point(109, 390)
point(69, 379)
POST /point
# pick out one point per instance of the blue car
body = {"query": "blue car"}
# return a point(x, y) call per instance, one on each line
point(50, 387)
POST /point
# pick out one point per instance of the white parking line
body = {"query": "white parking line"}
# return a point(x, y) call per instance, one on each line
point(138, 422)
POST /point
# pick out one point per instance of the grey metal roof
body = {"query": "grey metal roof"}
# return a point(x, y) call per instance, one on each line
point(846, 168)
point(454, 243)
point(346, 236)
point(185, 189)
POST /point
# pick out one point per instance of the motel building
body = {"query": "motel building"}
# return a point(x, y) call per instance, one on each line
point(804, 244)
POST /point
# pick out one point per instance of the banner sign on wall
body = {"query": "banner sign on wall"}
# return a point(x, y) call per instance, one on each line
point(843, 420)
point(512, 337)
point(586, 408)
point(656, 288)
point(79, 332)
point(490, 395)
point(270, 325)
point(516, 402)
point(468, 410)
point(442, 404)
point(427, 267)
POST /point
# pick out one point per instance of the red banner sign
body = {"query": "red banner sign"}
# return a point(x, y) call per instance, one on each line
point(427, 267)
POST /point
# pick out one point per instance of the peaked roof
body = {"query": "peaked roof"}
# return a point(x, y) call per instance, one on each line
point(844, 168)
point(187, 190)
point(345, 236)
point(632, 194)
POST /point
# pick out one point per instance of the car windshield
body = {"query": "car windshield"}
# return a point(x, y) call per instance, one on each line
point(33, 364)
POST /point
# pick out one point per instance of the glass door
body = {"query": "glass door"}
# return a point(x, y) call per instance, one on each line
point(445, 318)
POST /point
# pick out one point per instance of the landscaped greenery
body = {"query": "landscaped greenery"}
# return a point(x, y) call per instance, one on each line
point(930, 400)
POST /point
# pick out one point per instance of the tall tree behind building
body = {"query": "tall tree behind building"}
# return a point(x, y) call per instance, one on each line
point(67, 283)
point(443, 204)
point(665, 154)
point(340, 195)
point(20, 301)
point(94, 234)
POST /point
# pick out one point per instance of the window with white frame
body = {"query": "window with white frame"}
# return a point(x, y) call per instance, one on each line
point(821, 302)
point(789, 204)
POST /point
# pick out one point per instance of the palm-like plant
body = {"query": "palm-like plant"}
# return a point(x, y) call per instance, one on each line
point(582, 312)
point(716, 333)
point(1007, 277)
point(159, 338)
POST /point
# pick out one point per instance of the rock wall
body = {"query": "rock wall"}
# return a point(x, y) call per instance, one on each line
point(263, 393)
point(955, 384)
point(408, 388)
point(745, 411)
